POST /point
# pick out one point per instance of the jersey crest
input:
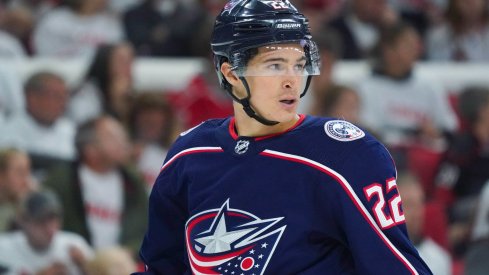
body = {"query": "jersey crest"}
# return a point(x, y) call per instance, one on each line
point(231, 241)
point(343, 130)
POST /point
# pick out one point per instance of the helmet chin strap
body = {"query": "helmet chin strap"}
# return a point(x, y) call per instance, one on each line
point(247, 106)
point(245, 102)
point(308, 82)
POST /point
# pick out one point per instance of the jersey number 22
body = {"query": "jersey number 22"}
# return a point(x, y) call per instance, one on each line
point(385, 220)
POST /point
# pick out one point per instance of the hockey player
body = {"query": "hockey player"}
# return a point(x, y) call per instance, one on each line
point(270, 191)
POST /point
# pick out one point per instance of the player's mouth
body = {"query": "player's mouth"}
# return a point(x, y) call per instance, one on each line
point(288, 103)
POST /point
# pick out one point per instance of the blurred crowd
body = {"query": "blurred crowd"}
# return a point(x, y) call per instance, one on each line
point(77, 162)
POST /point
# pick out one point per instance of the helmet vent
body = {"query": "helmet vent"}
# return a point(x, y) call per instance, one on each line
point(252, 27)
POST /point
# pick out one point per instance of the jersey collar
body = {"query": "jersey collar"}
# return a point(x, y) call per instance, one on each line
point(235, 136)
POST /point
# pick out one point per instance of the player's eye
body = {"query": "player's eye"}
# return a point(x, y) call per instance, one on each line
point(275, 67)
point(299, 67)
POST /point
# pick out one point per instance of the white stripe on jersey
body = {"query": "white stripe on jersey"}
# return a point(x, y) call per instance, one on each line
point(191, 151)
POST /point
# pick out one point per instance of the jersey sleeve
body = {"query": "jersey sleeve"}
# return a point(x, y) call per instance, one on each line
point(371, 213)
point(163, 250)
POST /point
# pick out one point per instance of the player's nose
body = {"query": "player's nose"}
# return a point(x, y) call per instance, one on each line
point(289, 83)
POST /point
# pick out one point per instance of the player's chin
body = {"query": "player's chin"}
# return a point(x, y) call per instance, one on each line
point(284, 117)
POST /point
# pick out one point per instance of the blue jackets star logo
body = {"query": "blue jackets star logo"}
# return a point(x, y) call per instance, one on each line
point(231, 241)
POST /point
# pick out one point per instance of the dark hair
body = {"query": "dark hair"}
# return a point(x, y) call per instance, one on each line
point(86, 134)
point(36, 81)
point(471, 101)
point(389, 35)
point(41, 206)
point(73, 4)
point(153, 101)
point(455, 19)
point(99, 71)
point(328, 39)
point(331, 96)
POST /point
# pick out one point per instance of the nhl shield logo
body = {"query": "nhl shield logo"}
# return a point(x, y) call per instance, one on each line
point(231, 241)
point(241, 147)
point(343, 130)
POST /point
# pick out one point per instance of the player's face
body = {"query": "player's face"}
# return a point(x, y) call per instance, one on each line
point(276, 81)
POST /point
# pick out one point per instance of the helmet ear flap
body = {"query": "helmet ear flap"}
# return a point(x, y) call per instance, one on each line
point(218, 61)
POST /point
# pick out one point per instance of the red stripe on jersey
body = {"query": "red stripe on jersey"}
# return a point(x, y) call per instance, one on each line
point(351, 193)
point(232, 129)
point(235, 136)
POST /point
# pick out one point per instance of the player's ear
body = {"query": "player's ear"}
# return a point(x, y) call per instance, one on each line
point(229, 74)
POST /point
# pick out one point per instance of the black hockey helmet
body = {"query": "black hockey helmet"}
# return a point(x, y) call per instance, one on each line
point(243, 25)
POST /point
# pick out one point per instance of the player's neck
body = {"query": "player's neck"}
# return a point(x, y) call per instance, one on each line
point(250, 127)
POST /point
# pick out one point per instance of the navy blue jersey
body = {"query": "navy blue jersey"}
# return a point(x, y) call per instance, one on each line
point(320, 198)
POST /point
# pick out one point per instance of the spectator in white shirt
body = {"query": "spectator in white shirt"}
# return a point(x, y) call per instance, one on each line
point(399, 105)
point(465, 34)
point(42, 130)
point(103, 196)
point(75, 31)
point(107, 86)
point(40, 247)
